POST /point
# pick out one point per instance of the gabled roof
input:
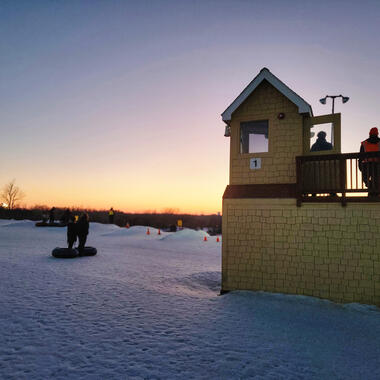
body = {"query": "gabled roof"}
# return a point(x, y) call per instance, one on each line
point(265, 74)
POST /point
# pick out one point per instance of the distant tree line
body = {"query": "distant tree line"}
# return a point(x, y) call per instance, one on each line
point(158, 220)
point(11, 195)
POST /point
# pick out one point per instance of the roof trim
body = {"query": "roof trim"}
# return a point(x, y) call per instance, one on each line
point(303, 107)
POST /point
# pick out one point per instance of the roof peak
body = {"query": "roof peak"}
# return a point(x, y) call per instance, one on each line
point(265, 74)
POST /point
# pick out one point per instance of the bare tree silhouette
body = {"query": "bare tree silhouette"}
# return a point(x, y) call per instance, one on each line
point(11, 194)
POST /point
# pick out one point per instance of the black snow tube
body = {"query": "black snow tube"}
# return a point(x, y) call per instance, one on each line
point(44, 224)
point(64, 253)
point(88, 251)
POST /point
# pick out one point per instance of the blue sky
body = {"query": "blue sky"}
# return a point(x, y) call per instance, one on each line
point(119, 102)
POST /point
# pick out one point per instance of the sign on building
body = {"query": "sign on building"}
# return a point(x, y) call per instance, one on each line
point(255, 163)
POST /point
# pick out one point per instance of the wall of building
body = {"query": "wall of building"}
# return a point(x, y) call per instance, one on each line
point(321, 250)
point(285, 138)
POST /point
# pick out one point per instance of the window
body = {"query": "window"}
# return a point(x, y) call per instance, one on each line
point(321, 137)
point(254, 136)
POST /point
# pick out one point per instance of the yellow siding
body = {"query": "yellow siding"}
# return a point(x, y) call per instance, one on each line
point(321, 250)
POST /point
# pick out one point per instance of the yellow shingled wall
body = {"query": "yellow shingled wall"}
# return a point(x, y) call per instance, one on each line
point(322, 250)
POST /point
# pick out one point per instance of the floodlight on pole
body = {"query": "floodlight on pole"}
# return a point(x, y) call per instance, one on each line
point(345, 99)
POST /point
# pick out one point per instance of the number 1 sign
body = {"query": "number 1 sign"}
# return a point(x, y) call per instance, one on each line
point(255, 163)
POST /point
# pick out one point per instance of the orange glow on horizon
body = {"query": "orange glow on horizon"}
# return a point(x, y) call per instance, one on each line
point(141, 201)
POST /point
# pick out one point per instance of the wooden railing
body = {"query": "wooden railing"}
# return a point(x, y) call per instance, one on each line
point(348, 177)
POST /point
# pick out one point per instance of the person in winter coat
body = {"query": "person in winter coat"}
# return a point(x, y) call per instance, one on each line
point(82, 230)
point(51, 215)
point(111, 214)
point(66, 216)
point(71, 232)
point(370, 167)
point(45, 218)
point(321, 143)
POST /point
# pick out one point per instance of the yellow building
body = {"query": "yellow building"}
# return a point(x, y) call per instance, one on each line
point(296, 219)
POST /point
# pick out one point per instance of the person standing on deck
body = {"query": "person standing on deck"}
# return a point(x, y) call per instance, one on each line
point(370, 167)
point(321, 143)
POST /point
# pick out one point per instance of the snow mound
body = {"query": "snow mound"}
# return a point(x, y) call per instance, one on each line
point(100, 227)
point(132, 231)
point(4, 222)
point(187, 234)
point(16, 223)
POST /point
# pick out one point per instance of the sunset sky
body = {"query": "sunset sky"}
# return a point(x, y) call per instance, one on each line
point(118, 103)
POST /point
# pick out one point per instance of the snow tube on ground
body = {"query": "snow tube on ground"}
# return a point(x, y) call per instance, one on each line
point(88, 251)
point(44, 224)
point(64, 253)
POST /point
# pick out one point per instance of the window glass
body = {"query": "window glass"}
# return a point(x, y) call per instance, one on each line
point(254, 136)
point(321, 137)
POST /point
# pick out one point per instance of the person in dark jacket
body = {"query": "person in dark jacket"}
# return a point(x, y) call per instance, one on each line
point(321, 143)
point(66, 216)
point(51, 215)
point(82, 230)
point(370, 167)
point(71, 232)
point(45, 218)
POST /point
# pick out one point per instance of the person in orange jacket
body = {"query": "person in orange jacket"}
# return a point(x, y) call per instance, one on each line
point(370, 167)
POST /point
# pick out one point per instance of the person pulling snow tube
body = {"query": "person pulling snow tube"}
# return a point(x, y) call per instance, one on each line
point(65, 253)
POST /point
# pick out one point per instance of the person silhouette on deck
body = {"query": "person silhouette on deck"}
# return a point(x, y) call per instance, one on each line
point(321, 143)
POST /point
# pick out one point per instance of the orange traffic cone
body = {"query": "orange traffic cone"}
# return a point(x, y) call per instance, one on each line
point(159, 232)
point(147, 231)
point(205, 238)
point(217, 239)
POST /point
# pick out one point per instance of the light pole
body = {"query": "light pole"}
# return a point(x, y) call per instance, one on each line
point(345, 99)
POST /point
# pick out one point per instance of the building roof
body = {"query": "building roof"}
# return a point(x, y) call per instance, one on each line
point(265, 74)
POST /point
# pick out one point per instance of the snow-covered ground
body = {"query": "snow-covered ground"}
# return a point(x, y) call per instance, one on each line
point(147, 307)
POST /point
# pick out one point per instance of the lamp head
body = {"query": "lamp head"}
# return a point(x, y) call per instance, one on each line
point(345, 99)
point(323, 100)
point(227, 131)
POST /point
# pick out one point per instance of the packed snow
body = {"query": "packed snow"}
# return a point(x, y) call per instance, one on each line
point(147, 307)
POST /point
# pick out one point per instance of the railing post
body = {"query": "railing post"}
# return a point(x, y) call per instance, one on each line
point(342, 178)
point(299, 181)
